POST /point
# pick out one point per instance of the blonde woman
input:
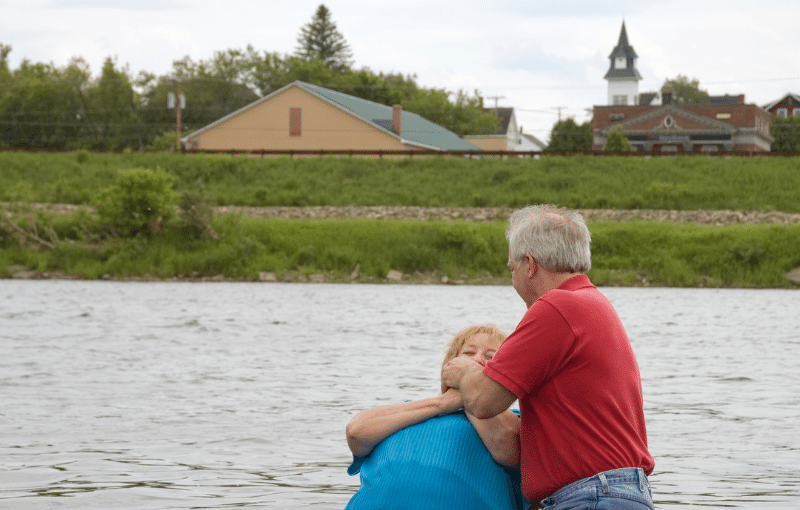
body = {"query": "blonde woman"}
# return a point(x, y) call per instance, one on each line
point(429, 454)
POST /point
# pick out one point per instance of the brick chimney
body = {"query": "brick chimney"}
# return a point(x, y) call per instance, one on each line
point(397, 118)
point(666, 95)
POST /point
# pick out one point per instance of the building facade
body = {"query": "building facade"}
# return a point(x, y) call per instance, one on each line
point(676, 128)
point(787, 106)
point(305, 117)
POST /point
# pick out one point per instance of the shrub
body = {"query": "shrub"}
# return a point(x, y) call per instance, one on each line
point(196, 214)
point(617, 142)
point(141, 201)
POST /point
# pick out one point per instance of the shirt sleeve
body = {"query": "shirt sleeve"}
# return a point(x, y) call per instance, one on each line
point(534, 352)
point(355, 467)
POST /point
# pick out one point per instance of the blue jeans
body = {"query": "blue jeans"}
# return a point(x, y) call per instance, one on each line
point(623, 489)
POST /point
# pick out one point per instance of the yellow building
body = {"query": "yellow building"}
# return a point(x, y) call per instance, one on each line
point(303, 117)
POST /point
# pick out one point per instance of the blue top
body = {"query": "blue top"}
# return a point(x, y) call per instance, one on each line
point(438, 464)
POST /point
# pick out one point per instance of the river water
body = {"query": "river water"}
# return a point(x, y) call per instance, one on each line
point(217, 395)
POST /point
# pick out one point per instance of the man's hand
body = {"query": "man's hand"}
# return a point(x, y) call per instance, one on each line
point(456, 369)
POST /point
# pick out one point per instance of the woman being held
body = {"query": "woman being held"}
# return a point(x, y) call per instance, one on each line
point(429, 454)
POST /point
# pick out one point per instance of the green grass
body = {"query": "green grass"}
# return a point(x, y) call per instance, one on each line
point(628, 254)
point(681, 182)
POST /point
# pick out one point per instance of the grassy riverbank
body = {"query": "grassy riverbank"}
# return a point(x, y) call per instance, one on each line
point(362, 250)
point(366, 250)
point(582, 182)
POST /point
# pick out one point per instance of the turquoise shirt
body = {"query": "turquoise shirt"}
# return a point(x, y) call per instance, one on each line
point(438, 464)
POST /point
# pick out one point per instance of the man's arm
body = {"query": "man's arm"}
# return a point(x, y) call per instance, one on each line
point(483, 397)
point(500, 435)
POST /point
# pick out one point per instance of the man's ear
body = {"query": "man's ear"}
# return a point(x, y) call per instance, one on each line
point(533, 266)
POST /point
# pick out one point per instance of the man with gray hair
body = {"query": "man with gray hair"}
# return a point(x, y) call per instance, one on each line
point(570, 364)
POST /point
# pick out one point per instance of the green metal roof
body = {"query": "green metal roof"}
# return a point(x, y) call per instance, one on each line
point(414, 129)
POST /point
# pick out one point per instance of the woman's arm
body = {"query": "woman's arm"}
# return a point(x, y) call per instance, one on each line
point(371, 426)
point(500, 434)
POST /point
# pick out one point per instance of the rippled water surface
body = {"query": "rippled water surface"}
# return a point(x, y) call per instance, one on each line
point(216, 395)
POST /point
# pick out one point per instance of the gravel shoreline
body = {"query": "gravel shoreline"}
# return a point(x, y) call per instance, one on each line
point(724, 217)
point(703, 217)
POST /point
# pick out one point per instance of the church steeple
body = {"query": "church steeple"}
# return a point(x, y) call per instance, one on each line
point(622, 76)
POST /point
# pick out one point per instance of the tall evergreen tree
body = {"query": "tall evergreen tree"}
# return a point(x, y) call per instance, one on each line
point(111, 113)
point(320, 39)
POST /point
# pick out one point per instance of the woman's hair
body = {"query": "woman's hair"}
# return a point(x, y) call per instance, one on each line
point(556, 237)
point(458, 341)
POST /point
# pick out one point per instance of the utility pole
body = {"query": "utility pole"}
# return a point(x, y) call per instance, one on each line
point(559, 111)
point(178, 116)
point(495, 99)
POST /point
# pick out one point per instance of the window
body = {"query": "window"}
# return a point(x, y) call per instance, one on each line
point(620, 63)
point(709, 148)
point(796, 112)
point(616, 116)
point(620, 100)
point(782, 112)
point(295, 121)
point(669, 148)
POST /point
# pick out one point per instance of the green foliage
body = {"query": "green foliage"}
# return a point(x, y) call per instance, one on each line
point(464, 115)
point(617, 141)
point(165, 142)
point(631, 253)
point(568, 136)
point(581, 181)
point(686, 91)
point(786, 132)
point(196, 213)
point(695, 255)
point(112, 114)
point(320, 40)
point(140, 202)
point(43, 106)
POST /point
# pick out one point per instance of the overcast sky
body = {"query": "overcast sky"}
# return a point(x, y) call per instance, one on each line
point(540, 57)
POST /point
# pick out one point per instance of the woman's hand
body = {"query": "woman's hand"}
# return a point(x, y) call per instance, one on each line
point(450, 401)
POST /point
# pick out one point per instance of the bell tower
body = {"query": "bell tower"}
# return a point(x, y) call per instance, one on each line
point(622, 76)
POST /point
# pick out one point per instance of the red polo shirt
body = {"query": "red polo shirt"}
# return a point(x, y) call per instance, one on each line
point(572, 367)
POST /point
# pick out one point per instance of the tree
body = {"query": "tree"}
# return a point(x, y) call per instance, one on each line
point(5, 72)
point(44, 106)
point(111, 110)
point(320, 39)
point(786, 132)
point(617, 141)
point(463, 116)
point(213, 88)
point(568, 136)
point(686, 91)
